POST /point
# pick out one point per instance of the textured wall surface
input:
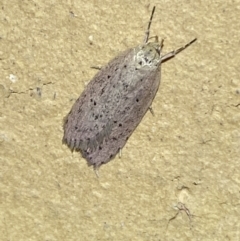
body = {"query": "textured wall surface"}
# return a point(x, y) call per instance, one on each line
point(178, 177)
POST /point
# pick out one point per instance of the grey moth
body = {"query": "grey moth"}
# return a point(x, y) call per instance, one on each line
point(115, 101)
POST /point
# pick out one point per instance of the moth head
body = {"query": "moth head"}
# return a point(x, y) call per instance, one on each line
point(148, 55)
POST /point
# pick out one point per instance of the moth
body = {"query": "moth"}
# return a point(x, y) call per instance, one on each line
point(115, 101)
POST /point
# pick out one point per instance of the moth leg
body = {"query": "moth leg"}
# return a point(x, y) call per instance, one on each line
point(120, 153)
point(96, 168)
point(151, 110)
point(156, 38)
point(175, 52)
point(96, 67)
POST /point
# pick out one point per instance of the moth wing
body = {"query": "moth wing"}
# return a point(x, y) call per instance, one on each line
point(134, 103)
point(89, 120)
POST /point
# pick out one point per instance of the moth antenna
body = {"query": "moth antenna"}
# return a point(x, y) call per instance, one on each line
point(175, 52)
point(146, 37)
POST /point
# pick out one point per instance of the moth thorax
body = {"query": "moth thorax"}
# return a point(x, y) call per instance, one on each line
point(147, 55)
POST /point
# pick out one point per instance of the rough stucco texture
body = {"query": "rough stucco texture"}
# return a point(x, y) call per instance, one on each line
point(178, 177)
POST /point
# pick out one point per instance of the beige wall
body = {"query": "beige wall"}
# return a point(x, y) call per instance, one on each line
point(186, 157)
